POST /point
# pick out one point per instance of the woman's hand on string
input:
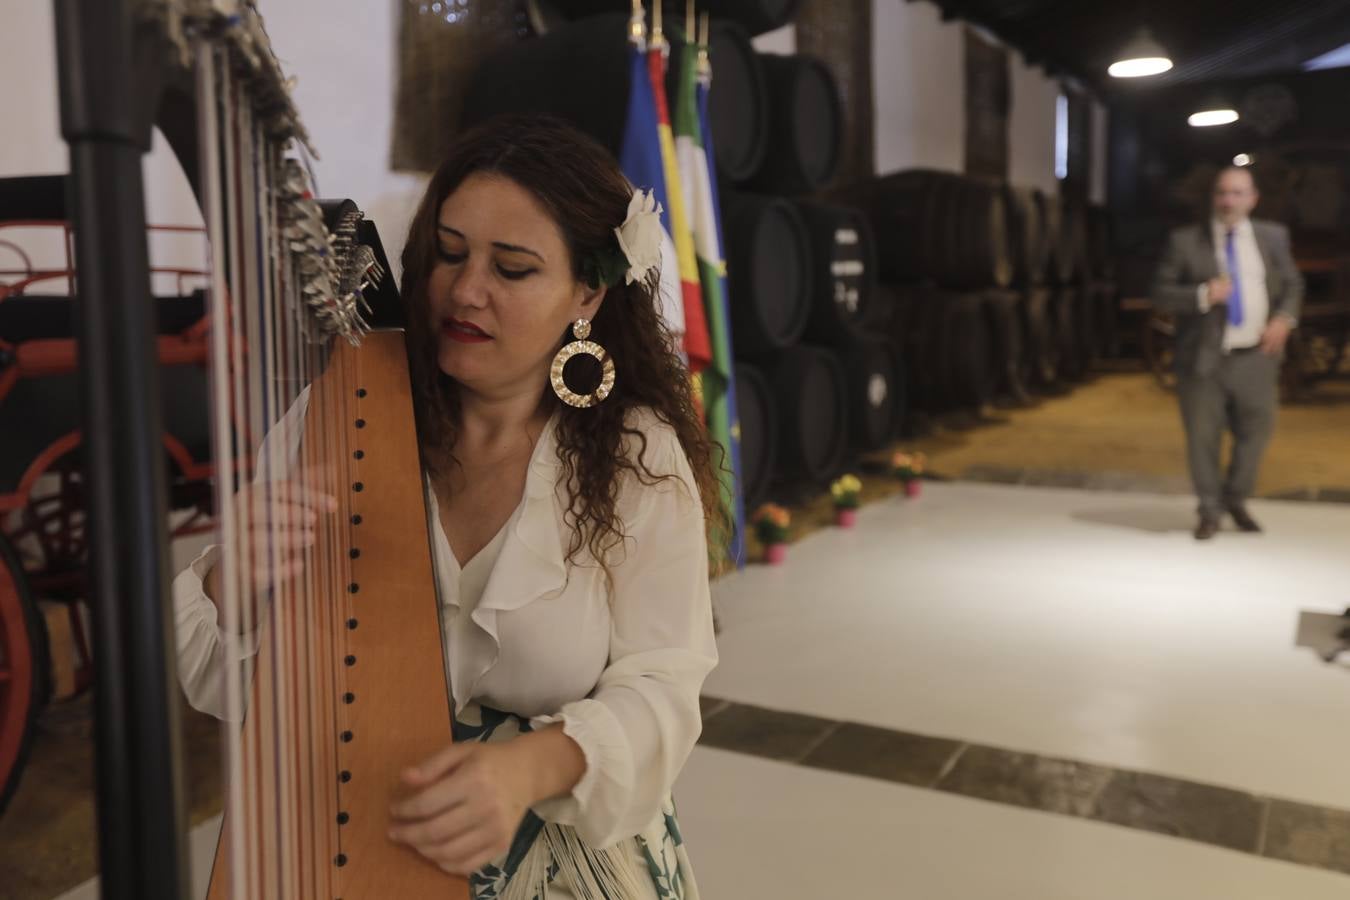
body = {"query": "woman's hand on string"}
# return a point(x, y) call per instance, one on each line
point(466, 803)
point(276, 524)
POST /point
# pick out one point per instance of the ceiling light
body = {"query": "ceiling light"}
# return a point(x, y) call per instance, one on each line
point(1242, 159)
point(1208, 117)
point(1141, 56)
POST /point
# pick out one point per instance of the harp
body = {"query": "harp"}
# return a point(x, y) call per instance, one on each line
point(348, 685)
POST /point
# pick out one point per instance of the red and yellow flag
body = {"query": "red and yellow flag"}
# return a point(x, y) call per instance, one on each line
point(697, 344)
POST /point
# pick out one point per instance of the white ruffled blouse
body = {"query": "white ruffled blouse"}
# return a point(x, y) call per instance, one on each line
point(528, 632)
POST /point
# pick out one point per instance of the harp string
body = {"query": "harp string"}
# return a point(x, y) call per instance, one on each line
point(213, 125)
point(269, 339)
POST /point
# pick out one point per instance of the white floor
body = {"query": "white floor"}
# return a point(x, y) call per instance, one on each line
point(1074, 624)
point(1085, 625)
point(758, 830)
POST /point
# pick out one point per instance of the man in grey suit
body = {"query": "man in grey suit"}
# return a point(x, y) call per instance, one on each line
point(1236, 293)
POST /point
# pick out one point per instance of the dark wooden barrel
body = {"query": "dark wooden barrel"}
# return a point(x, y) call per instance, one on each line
point(810, 390)
point(1009, 343)
point(886, 318)
point(1099, 240)
point(912, 312)
point(805, 124)
point(969, 369)
point(1089, 328)
point(872, 382)
point(1041, 351)
point(1052, 221)
point(759, 433)
point(899, 387)
point(843, 259)
point(904, 210)
point(769, 266)
point(1069, 331)
point(984, 237)
point(738, 103)
point(1028, 245)
point(1107, 304)
point(948, 344)
point(1071, 246)
point(937, 225)
point(578, 72)
point(755, 16)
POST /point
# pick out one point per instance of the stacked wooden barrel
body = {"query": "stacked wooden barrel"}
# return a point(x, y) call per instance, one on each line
point(992, 290)
point(803, 275)
point(814, 386)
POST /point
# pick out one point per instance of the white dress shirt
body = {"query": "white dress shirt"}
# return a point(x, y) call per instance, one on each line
point(1251, 274)
point(528, 632)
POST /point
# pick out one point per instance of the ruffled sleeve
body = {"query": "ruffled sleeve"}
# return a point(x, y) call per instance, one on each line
point(641, 722)
point(207, 654)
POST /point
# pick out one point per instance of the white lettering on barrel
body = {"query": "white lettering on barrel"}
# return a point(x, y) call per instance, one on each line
point(877, 390)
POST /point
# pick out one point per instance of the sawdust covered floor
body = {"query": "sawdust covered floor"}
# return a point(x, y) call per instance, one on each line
point(1123, 432)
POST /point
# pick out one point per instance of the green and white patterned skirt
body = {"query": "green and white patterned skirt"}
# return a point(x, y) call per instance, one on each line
point(548, 861)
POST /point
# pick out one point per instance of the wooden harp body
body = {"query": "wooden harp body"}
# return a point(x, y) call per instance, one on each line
point(322, 745)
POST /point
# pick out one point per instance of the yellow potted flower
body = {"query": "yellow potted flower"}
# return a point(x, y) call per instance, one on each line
point(909, 468)
point(772, 525)
point(845, 494)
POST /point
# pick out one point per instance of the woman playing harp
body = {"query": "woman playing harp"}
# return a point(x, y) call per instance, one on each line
point(569, 531)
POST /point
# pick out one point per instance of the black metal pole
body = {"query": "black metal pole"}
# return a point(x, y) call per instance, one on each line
point(103, 103)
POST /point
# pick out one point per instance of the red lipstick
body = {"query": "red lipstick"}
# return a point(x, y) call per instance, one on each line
point(464, 332)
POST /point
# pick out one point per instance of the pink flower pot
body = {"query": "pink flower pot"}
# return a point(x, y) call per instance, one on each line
point(775, 554)
point(912, 487)
point(846, 518)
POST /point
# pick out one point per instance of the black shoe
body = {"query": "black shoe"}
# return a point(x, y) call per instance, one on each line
point(1207, 528)
point(1243, 519)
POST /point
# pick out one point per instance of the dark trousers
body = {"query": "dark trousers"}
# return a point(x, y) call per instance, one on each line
point(1241, 396)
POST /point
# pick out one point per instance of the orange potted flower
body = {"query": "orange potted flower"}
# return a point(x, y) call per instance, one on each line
point(772, 524)
point(909, 468)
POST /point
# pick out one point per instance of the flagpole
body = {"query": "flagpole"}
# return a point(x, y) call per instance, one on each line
point(658, 37)
point(704, 36)
point(637, 26)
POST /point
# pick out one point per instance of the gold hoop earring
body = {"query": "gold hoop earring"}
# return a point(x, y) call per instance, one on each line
point(582, 330)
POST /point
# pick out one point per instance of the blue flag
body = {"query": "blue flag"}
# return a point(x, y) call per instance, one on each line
point(642, 162)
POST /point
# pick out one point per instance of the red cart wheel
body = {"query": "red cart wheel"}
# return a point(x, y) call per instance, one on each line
point(21, 666)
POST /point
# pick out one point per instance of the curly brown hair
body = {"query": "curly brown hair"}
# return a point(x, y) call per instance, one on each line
point(582, 187)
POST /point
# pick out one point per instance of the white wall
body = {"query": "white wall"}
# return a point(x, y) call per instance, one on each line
point(1031, 127)
point(919, 66)
point(340, 51)
point(28, 103)
point(918, 63)
point(781, 40)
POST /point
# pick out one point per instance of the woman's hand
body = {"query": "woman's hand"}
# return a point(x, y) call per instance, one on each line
point(276, 523)
point(467, 802)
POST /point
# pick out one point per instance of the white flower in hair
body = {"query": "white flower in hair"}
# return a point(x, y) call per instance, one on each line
point(640, 236)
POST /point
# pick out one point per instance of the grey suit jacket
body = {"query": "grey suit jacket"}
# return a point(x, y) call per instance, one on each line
point(1189, 261)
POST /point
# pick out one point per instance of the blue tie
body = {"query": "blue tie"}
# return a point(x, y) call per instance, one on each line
point(1234, 299)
